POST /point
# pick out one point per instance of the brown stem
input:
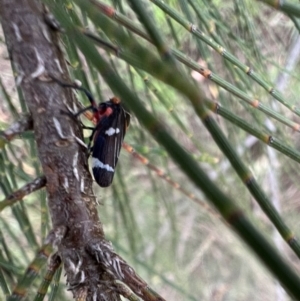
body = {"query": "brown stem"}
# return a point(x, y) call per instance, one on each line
point(35, 51)
point(93, 269)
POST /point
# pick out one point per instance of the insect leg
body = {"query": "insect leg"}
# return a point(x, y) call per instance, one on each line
point(77, 87)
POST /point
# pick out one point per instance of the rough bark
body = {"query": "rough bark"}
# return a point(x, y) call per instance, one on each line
point(94, 271)
point(34, 50)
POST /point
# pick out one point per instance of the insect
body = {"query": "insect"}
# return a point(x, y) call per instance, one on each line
point(107, 136)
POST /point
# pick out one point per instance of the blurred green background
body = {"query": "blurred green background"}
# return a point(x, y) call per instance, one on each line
point(182, 249)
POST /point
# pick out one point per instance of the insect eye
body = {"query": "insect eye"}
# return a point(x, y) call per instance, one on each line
point(102, 108)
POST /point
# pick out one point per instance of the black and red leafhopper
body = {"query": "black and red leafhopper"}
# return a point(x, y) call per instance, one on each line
point(107, 136)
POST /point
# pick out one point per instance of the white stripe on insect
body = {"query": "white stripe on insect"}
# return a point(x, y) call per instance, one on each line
point(96, 163)
point(112, 131)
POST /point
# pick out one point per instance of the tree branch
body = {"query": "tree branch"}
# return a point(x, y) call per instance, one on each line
point(93, 269)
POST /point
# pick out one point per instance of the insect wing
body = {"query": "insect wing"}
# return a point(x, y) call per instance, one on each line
point(108, 138)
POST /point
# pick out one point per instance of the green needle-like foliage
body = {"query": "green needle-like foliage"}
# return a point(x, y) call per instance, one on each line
point(201, 80)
